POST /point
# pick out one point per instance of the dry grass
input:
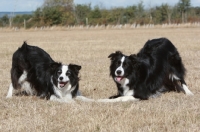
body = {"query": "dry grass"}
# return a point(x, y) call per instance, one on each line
point(90, 49)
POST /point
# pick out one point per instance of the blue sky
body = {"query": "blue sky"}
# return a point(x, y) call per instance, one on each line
point(31, 5)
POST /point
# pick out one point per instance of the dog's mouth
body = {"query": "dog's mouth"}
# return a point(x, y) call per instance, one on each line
point(118, 78)
point(62, 84)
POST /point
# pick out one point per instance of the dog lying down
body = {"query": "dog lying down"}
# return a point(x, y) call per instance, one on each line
point(157, 68)
point(35, 73)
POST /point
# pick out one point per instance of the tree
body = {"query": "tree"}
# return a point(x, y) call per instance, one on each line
point(168, 10)
point(52, 16)
point(53, 3)
point(18, 20)
point(184, 6)
point(105, 16)
point(55, 12)
point(38, 17)
point(116, 15)
point(5, 20)
point(64, 12)
point(158, 14)
point(96, 13)
point(82, 12)
point(95, 16)
point(129, 13)
point(140, 12)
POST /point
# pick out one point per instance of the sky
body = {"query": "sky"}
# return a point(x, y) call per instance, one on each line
point(32, 5)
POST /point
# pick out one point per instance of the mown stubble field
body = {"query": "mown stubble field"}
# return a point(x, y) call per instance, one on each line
point(172, 112)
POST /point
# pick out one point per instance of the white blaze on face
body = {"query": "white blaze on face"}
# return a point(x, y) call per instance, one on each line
point(119, 77)
point(65, 78)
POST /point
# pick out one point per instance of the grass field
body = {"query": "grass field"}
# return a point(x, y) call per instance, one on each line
point(172, 112)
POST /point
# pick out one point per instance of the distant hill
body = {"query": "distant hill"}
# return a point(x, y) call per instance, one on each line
point(15, 13)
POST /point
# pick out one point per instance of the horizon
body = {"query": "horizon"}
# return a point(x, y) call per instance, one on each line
point(15, 11)
point(9, 14)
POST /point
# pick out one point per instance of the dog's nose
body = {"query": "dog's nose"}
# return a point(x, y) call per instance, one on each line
point(119, 72)
point(61, 78)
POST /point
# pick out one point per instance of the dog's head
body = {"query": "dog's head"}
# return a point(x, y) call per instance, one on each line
point(65, 75)
point(121, 65)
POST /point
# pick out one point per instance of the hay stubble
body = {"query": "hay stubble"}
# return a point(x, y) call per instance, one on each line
point(90, 49)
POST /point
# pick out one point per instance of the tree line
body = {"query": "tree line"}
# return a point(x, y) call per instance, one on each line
point(65, 12)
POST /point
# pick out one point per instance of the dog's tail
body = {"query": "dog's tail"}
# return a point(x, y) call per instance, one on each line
point(24, 46)
point(19, 64)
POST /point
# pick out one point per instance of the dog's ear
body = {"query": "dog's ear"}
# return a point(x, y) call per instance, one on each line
point(75, 68)
point(54, 66)
point(113, 55)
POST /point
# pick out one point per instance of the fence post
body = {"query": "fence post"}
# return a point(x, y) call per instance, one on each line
point(24, 24)
point(86, 21)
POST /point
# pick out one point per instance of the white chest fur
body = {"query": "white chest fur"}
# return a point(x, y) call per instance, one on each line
point(126, 89)
point(64, 92)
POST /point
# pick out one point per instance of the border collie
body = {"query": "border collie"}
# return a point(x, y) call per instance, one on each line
point(156, 69)
point(34, 72)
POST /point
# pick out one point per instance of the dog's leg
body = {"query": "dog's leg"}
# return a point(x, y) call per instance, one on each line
point(82, 98)
point(184, 86)
point(27, 87)
point(186, 89)
point(119, 99)
point(10, 91)
point(53, 98)
point(128, 98)
point(22, 78)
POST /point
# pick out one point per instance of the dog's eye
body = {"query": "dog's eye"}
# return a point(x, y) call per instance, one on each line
point(68, 73)
point(59, 72)
point(119, 63)
point(124, 64)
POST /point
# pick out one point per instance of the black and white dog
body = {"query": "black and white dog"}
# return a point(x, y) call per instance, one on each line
point(34, 72)
point(156, 69)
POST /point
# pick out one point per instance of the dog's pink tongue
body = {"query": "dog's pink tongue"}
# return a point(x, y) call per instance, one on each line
point(118, 78)
point(62, 84)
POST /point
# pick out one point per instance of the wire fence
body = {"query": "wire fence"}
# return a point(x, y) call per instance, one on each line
point(104, 27)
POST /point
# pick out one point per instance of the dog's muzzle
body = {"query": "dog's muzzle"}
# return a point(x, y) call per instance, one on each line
point(62, 84)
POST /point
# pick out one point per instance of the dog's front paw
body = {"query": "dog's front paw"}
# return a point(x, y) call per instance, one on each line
point(104, 100)
point(53, 98)
point(62, 100)
point(9, 96)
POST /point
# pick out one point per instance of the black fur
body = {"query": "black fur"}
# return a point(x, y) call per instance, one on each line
point(40, 67)
point(149, 71)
